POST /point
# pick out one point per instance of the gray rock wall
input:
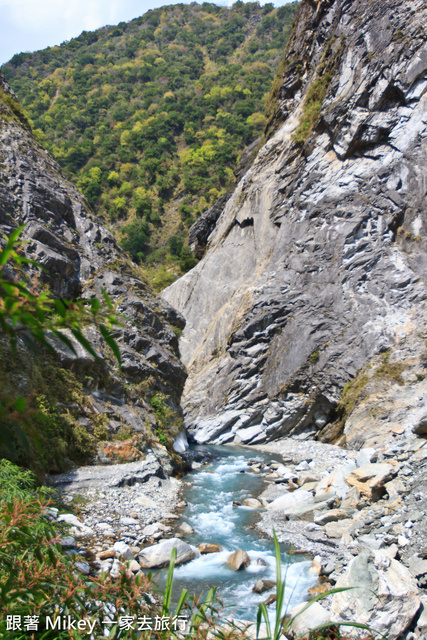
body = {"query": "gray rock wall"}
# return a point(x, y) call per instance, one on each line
point(317, 262)
point(82, 258)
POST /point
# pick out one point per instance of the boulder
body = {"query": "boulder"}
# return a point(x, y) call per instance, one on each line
point(158, 555)
point(208, 547)
point(126, 520)
point(263, 585)
point(134, 566)
point(383, 594)
point(289, 501)
point(337, 529)
point(420, 428)
point(332, 515)
point(417, 566)
point(252, 502)
point(83, 567)
point(155, 529)
point(67, 542)
point(334, 484)
point(123, 550)
point(238, 560)
point(422, 620)
point(371, 478)
point(108, 553)
point(145, 501)
point(318, 589)
point(316, 566)
point(304, 620)
point(185, 528)
point(78, 529)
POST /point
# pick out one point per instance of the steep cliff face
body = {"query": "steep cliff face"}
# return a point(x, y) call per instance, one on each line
point(82, 258)
point(317, 263)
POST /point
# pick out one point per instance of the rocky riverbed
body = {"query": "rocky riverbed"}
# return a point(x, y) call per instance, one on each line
point(360, 514)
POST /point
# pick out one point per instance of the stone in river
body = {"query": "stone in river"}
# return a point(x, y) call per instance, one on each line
point(208, 547)
point(263, 585)
point(252, 502)
point(158, 555)
point(238, 560)
point(185, 528)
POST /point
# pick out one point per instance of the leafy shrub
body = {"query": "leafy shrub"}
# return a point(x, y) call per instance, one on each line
point(38, 580)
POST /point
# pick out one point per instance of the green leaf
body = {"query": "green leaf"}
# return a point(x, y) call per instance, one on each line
point(84, 342)
point(263, 613)
point(21, 404)
point(111, 342)
point(60, 308)
point(107, 299)
point(65, 340)
point(169, 583)
point(9, 248)
point(95, 306)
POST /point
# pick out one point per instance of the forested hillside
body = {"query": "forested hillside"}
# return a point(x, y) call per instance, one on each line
point(149, 117)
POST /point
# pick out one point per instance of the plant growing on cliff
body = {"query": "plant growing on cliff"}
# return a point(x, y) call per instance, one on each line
point(32, 317)
point(312, 107)
point(166, 418)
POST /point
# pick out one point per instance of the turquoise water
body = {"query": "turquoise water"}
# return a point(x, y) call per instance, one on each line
point(214, 519)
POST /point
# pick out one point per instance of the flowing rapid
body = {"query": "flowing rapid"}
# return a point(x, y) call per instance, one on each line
point(210, 512)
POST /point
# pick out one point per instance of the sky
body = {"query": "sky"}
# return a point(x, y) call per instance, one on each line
point(30, 25)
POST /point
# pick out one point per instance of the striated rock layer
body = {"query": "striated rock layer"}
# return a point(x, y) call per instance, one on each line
point(317, 263)
point(81, 258)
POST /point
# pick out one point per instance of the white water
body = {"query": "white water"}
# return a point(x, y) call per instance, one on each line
point(214, 519)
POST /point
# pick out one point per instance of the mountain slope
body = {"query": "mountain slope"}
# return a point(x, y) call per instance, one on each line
point(150, 116)
point(317, 262)
point(85, 409)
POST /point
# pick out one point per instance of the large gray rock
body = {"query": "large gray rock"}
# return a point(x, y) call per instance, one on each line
point(290, 501)
point(383, 594)
point(318, 260)
point(159, 555)
point(371, 478)
point(81, 257)
point(305, 619)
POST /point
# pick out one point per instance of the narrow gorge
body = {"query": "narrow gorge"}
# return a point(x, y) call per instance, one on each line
point(298, 340)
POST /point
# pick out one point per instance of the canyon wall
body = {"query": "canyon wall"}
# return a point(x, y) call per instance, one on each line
point(315, 272)
point(81, 258)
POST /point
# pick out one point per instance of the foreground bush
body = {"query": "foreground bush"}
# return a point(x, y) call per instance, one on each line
point(44, 596)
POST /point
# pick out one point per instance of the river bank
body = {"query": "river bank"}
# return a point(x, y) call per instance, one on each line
point(357, 513)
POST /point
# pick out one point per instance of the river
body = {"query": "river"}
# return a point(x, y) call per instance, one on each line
point(210, 512)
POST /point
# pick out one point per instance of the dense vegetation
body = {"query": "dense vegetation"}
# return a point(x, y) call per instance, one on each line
point(149, 117)
point(39, 583)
